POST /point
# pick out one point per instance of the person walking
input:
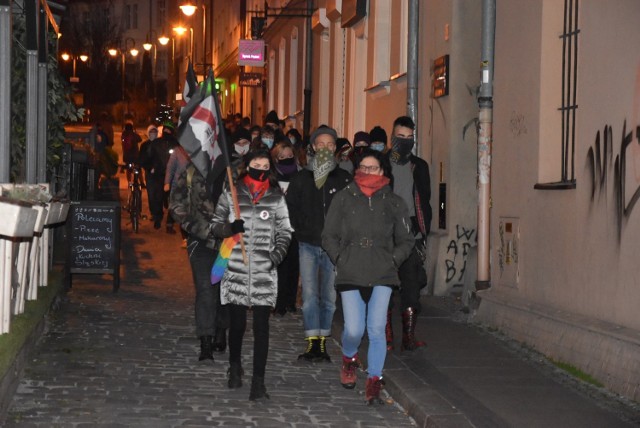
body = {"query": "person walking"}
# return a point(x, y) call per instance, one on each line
point(309, 197)
point(192, 203)
point(178, 161)
point(130, 148)
point(286, 166)
point(159, 153)
point(367, 236)
point(146, 162)
point(266, 233)
point(412, 183)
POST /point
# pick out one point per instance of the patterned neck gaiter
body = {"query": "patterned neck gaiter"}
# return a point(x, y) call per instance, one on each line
point(323, 163)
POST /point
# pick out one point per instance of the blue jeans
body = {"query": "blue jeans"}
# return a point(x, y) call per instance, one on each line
point(318, 292)
point(356, 315)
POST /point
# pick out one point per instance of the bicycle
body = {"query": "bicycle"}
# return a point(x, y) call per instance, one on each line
point(134, 201)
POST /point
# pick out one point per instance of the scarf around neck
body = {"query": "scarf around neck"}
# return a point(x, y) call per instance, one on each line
point(257, 189)
point(322, 163)
point(370, 183)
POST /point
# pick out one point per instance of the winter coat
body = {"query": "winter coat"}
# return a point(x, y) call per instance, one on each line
point(178, 161)
point(266, 238)
point(421, 195)
point(308, 205)
point(194, 207)
point(367, 238)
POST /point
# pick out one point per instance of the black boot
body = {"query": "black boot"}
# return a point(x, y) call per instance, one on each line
point(258, 390)
point(235, 373)
point(323, 355)
point(220, 340)
point(313, 349)
point(206, 350)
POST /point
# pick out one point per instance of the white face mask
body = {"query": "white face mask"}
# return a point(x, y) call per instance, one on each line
point(377, 147)
point(241, 149)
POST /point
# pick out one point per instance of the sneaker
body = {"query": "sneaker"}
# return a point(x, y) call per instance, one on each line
point(323, 355)
point(348, 371)
point(372, 390)
point(157, 224)
point(313, 349)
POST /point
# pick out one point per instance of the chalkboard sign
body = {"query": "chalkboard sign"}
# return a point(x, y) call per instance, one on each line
point(94, 239)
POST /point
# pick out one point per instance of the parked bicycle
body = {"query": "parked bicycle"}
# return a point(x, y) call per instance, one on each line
point(134, 201)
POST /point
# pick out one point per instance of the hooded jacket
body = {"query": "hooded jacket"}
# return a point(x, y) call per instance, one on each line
point(367, 238)
point(267, 236)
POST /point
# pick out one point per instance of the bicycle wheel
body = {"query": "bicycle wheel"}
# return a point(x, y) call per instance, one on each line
point(133, 209)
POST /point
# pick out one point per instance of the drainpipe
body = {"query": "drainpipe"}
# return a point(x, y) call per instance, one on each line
point(485, 137)
point(31, 152)
point(41, 173)
point(308, 80)
point(5, 90)
point(412, 69)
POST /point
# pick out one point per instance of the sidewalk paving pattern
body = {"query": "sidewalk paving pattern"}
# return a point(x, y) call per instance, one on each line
point(129, 359)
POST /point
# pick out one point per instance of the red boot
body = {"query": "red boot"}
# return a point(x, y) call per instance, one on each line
point(348, 371)
point(409, 320)
point(372, 390)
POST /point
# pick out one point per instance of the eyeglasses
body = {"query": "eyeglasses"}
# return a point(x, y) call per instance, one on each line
point(368, 169)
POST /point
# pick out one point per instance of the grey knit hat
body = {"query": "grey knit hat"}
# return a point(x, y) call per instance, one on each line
point(323, 129)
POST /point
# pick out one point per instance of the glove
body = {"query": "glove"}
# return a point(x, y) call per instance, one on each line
point(237, 226)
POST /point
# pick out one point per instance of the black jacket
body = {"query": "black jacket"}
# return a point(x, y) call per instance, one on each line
point(308, 205)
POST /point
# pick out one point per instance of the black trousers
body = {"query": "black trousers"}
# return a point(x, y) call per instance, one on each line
point(288, 275)
point(207, 301)
point(155, 192)
point(413, 278)
point(238, 325)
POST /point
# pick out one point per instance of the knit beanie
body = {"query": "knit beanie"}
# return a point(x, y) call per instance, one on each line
point(323, 129)
point(378, 134)
point(361, 137)
point(272, 117)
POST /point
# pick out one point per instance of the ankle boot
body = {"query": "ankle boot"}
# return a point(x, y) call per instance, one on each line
point(206, 350)
point(372, 390)
point(313, 348)
point(235, 373)
point(409, 321)
point(323, 355)
point(388, 331)
point(220, 340)
point(258, 390)
point(348, 371)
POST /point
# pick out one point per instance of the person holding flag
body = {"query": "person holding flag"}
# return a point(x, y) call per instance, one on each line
point(251, 280)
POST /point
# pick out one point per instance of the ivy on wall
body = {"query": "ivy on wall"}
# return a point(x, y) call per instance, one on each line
point(60, 109)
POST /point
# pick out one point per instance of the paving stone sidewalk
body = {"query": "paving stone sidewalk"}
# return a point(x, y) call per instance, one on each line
point(129, 359)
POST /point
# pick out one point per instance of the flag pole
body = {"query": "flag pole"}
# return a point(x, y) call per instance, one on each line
point(224, 149)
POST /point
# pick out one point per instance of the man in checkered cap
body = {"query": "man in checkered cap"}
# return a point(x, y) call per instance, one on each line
point(308, 198)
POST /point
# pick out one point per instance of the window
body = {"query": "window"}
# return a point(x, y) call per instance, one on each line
point(567, 43)
point(134, 16)
point(131, 16)
point(127, 17)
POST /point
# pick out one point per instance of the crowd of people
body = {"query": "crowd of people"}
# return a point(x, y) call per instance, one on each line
point(330, 216)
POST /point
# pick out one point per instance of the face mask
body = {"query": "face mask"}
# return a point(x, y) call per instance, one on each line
point(401, 149)
point(254, 136)
point(287, 161)
point(268, 142)
point(258, 174)
point(153, 136)
point(241, 149)
point(293, 140)
point(378, 147)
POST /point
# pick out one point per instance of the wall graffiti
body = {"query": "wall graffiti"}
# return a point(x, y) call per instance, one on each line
point(626, 169)
point(457, 251)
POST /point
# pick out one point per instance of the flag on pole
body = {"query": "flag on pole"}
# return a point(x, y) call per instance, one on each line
point(200, 130)
point(190, 85)
point(220, 265)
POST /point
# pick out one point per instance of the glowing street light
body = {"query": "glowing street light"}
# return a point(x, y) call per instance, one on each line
point(66, 57)
point(188, 8)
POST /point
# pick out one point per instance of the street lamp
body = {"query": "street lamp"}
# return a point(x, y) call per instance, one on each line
point(180, 30)
point(188, 9)
point(134, 53)
point(66, 57)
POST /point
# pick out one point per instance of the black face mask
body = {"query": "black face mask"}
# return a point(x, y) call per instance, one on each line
point(287, 161)
point(258, 174)
point(401, 149)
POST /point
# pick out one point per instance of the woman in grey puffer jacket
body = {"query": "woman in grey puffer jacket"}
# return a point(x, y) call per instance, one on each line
point(264, 223)
point(366, 235)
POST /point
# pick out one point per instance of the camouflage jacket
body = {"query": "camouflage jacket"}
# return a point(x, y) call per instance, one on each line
point(194, 208)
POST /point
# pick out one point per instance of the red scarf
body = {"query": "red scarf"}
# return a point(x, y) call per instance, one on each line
point(370, 183)
point(256, 188)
